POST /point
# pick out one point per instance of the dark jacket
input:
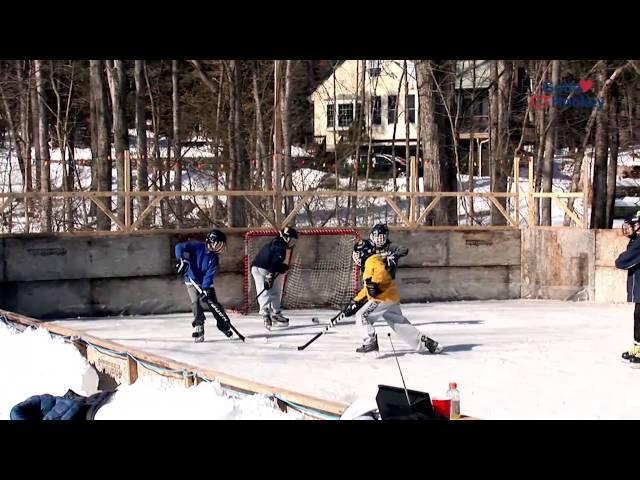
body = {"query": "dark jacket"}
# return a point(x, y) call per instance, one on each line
point(272, 256)
point(202, 263)
point(629, 260)
point(69, 407)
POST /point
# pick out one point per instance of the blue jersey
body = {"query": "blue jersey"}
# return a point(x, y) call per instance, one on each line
point(202, 263)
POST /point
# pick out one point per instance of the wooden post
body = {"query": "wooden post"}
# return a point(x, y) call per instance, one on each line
point(530, 188)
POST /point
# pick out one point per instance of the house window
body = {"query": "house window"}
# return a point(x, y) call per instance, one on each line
point(376, 110)
point(410, 108)
point(331, 115)
point(374, 67)
point(392, 109)
point(345, 114)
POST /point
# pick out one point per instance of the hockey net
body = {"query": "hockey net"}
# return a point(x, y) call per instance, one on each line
point(321, 271)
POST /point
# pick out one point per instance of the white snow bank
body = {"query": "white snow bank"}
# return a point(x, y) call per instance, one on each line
point(34, 363)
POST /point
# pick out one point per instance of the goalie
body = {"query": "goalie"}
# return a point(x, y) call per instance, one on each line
point(265, 268)
point(380, 300)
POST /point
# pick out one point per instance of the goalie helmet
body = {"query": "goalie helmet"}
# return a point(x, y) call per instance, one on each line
point(362, 250)
point(289, 235)
point(216, 241)
point(630, 225)
point(379, 235)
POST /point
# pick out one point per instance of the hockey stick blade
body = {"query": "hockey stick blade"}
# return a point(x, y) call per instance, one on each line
point(332, 323)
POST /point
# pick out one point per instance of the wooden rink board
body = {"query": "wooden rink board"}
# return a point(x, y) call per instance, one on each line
point(124, 369)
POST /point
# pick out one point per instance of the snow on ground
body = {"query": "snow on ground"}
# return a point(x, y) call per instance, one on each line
point(34, 363)
point(518, 359)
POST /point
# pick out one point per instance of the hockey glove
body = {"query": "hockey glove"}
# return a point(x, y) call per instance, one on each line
point(373, 288)
point(182, 266)
point(209, 295)
point(268, 281)
point(283, 268)
point(353, 308)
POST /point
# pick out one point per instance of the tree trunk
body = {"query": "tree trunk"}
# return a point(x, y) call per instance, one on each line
point(612, 170)
point(177, 148)
point(103, 159)
point(599, 209)
point(500, 110)
point(141, 135)
point(116, 79)
point(286, 135)
point(43, 136)
point(439, 168)
point(218, 141)
point(35, 115)
point(549, 150)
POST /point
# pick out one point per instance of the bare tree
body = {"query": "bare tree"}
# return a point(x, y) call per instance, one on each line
point(550, 149)
point(103, 159)
point(599, 209)
point(117, 80)
point(614, 140)
point(141, 135)
point(43, 135)
point(177, 149)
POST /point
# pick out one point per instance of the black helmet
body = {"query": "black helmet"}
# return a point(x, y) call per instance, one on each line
point(379, 235)
point(216, 241)
point(289, 233)
point(630, 225)
point(362, 250)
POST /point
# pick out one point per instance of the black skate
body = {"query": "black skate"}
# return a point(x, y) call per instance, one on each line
point(280, 320)
point(369, 347)
point(632, 353)
point(267, 321)
point(431, 344)
point(198, 334)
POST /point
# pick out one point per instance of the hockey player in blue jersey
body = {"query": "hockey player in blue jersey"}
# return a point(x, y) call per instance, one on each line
point(198, 261)
point(265, 268)
point(629, 260)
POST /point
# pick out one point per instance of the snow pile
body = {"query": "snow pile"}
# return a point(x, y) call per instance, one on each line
point(34, 363)
point(151, 399)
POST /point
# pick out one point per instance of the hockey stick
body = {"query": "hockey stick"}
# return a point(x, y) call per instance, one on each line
point(215, 311)
point(332, 323)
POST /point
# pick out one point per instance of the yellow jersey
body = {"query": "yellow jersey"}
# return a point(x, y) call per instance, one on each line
point(375, 271)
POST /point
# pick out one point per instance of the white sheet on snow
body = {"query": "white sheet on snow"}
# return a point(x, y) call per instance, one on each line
point(518, 359)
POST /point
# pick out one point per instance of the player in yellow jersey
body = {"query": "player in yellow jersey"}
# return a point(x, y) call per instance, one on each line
point(379, 300)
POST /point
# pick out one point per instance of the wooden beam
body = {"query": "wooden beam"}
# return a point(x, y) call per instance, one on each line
point(395, 207)
point(426, 211)
point(262, 213)
point(558, 194)
point(146, 211)
point(296, 209)
point(109, 214)
point(503, 211)
point(572, 214)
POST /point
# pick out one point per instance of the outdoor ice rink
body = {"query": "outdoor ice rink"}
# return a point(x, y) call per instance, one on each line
point(513, 359)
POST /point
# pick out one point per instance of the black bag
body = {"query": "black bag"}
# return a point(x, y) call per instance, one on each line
point(392, 404)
